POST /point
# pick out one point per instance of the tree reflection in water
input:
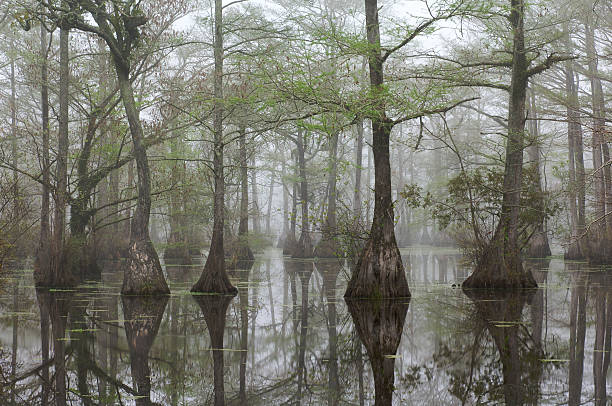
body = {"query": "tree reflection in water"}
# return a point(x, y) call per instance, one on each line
point(379, 324)
point(550, 348)
point(142, 319)
point(329, 270)
point(214, 308)
point(521, 358)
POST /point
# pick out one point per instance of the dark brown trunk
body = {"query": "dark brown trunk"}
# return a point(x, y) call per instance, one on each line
point(143, 316)
point(576, 162)
point(500, 264)
point(599, 247)
point(379, 271)
point(291, 241)
point(379, 324)
point(285, 232)
point(328, 247)
point(538, 243)
point(244, 250)
point(256, 214)
point(142, 273)
point(270, 198)
point(304, 246)
point(214, 309)
point(177, 250)
point(358, 169)
point(214, 278)
point(42, 269)
point(61, 275)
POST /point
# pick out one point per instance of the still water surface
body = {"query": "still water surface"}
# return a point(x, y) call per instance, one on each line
point(289, 337)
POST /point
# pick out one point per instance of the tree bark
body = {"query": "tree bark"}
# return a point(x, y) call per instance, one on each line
point(244, 250)
point(42, 268)
point(214, 278)
point(304, 245)
point(538, 244)
point(379, 271)
point(291, 242)
point(61, 276)
point(328, 247)
point(142, 274)
point(599, 249)
point(177, 250)
point(500, 264)
point(358, 169)
point(576, 162)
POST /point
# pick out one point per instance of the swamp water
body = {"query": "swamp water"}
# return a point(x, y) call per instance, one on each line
point(289, 337)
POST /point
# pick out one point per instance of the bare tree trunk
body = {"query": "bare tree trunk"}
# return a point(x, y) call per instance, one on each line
point(576, 163)
point(500, 264)
point(256, 213)
point(285, 232)
point(142, 274)
point(304, 246)
point(538, 244)
point(270, 197)
point(42, 274)
point(599, 251)
point(214, 278)
point(244, 250)
point(60, 271)
point(328, 247)
point(177, 250)
point(379, 271)
point(291, 242)
point(358, 169)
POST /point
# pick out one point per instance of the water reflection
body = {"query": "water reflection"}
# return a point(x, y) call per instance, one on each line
point(329, 271)
point(143, 316)
point(214, 308)
point(520, 356)
point(379, 325)
point(287, 339)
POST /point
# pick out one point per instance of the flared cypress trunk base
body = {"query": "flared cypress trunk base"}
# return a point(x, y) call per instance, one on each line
point(598, 248)
point(379, 272)
point(497, 269)
point(239, 255)
point(538, 246)
point(303, 248)
point(143, 274)
point(574, 252)
point(328, 247)
point(214, 279)
point(289, 245)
